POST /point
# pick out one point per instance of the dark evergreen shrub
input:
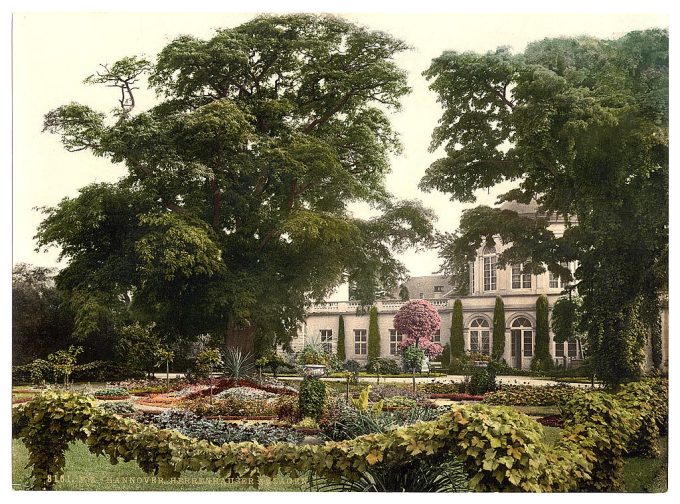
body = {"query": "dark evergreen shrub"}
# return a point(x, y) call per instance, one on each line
point(312, 398)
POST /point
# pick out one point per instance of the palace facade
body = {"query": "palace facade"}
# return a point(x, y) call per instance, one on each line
point(519, 291)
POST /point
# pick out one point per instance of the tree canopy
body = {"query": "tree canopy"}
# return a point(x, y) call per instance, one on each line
point(581, 126)
point(234, 213)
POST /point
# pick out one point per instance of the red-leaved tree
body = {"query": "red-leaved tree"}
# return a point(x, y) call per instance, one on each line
point(418, 320)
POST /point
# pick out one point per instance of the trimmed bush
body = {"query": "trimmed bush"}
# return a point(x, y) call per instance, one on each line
point(341, 339)
point(312, 398)
point(542, 360)
point(456, 340)
point(480, 382)
point(384, 366)
point(373, 334)
point(352, 366)
point(498, 329)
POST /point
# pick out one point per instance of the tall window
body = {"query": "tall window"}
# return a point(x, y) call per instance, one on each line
point(522, 334)
point(480, 340)
point(572, 348)
point(326, 336)
point(395, 339)
point(360, 341)
point(437, 336)
point(520, 279)
point(489, 254)
point(555, 282)
point(472, 277)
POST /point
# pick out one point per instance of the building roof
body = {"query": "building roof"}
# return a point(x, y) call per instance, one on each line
point(521, 208)
point(424, 287)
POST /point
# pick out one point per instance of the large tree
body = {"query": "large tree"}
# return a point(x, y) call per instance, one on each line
point(41, 319)
point(581, 126)
point(234, 213)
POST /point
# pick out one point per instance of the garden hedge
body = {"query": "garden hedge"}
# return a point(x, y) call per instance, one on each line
point(501, 448)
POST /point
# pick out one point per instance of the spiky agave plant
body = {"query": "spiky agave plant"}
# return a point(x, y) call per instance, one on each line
point(237, 364)
point(414, 476)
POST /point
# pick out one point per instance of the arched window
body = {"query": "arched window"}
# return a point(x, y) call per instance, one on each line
point(522, 339)
point(480, 336)
point(489, 257)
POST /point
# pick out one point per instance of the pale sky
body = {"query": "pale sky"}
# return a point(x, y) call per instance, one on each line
point(54, 52)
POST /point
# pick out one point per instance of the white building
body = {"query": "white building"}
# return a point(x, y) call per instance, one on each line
point(518, 290)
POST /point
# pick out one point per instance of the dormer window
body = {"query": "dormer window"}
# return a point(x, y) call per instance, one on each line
point(439, 288)
point(489, 255)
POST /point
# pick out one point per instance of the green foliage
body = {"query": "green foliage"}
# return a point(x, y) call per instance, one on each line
point(63, 362)
point(384, 366)
point(601, 428)
point(231, 406)
point(542, 360)
point(481, 381)
point(413, 476)
point(498, 329)
point(240, 174)
point(207, 361)
point(111, 392)
point(580, 114)
point(530, 395)
point(341, 339)
point(312, 398)
point(141, 348)
point(313, 353)
point(446, 356)
point(41, 319)
point(500, 448)
point(457, 341)
point(373, 334)
point(412, 358)
point(237, 364)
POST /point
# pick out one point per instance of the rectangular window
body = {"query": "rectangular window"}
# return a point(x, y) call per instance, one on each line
point(326, 336)
point(472, 278)
point(572, 347)
point(439, 288)
point(437, 336)
point(395, 339)
point(520, 280)
point(559, 349)
point(360, 342)
point(474, 341)
point(528, 343)
point(554, 281)
point(490, 273)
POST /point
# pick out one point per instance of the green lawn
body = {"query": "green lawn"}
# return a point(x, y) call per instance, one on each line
point(648, 475)
point(85, 471)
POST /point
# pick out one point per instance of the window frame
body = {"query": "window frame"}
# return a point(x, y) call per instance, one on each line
point(395, 339)
point(360, 342)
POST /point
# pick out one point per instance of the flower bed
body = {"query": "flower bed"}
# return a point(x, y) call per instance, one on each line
point(458, 397)
point(21, 400)
point(245, 393)
point(111, 393)
point(529, 395)
point(232, 407)
point(551, 421)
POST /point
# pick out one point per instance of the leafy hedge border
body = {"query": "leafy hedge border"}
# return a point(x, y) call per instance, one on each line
point(501, 448)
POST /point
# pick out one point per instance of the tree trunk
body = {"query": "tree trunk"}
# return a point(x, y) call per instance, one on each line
point(243, 338)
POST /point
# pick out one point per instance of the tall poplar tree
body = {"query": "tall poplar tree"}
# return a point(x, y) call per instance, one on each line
point(498, 329)
point(373, 334)
point(457, 340)
point(341, 339)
